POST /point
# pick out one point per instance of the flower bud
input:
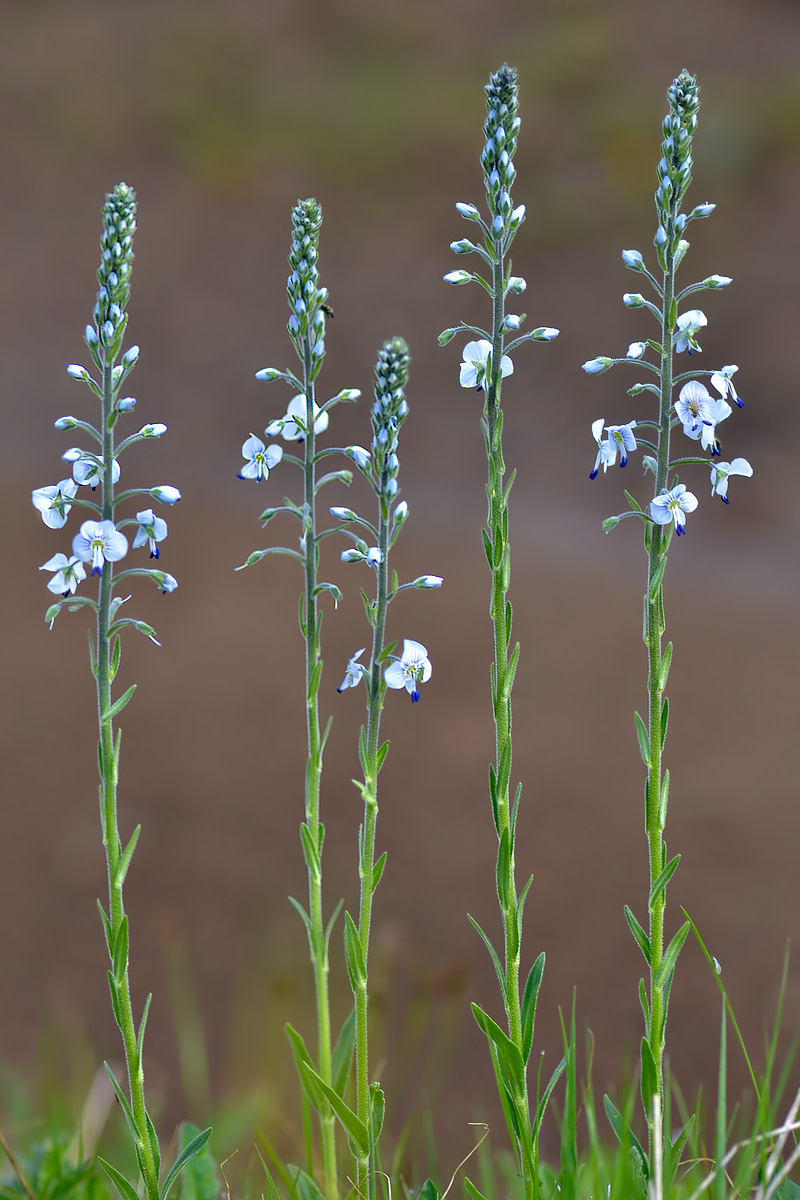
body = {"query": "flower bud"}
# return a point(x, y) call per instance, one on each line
point(633, 260)
point(165, 493)
point(462, 246)
point(458, 277)
point(701, 210)
point(343, 514)
point(596, 366)
point(66, 423)
point(154, 431)
point(267, 374)
point(633, 300)
point(545, 333)
point(400, 513)
point(468, 211)
point(78, 372)
point(130, 356)
point(359, 455)
point(126, 405)
point(428, 581)
point(516, 285)
point(717, 281)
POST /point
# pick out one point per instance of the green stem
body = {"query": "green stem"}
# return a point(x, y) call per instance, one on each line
point(317, 940)
point(654, 630)
point(366, 866)
point(109, 765)
point(500, 612)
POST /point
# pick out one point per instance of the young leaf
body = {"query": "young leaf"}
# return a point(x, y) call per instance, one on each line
point(508, 1053)
point(528, 1007)
point(355, 1129)
point(471, 1190)
point(493, 954)
point(644, 740)
point(503, 870)
point(660, 884)
point(642, 940)
point(648, 1077)
point(118, 705)
point(628, 1140)
point(342, 1059)
point(354, 955)
point(663, 670)
point(377, 870)
point(127, 855)
point(120, 956)
point(377, 1110)
point(671, 954)
point(126, 1190)
point(664, 721)
point(663, 800)
point(185, 1156)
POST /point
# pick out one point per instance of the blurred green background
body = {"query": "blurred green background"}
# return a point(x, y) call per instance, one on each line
point(221, 116)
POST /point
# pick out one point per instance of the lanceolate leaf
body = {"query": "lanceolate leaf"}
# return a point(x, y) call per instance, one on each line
point(508, 1053)
point(642, 940)
point(126, 1190)
point(355, 1129)
point(188, 1153)
point(671, 954)
point(528, 1007)
point(495, 960)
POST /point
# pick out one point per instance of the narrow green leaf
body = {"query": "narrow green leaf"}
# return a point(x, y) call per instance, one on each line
point(201, 1179)
point(660, 884)
point(106, 926)
point(377, 870)
point(528, 1006)
point(324, 739)
point(124, 1104)
point(633, 503)
point(377, 1111)
point(92, 659)
point(382, 752)
point(671, 954)
point(121, 946)
point(514, 811)
point(329, 927)
point(663, 670)
point(642, 940)
point(487, 546)
point(664, 722)
point(503, 870)
point(658, 575)
point(303, 1058)
point(354, 955)
point(663, 800)
point(304, 917)
point(152, 1138)
point(127, 855)
point(302, 1186)
point(511, 671)
point(112, 987)
point(628, 1140)
point(116, 653)
point(645, 1006)
point(342, 1060)
point(355, 1129)
point(310, 853)
point(495, 960)
point(673, 1152)
point(118, 705)
point(188, 1153)
point(644, 740)
point(142, 1027)
point(508, 1053)
point(472, 1191)
point(648, 1077)
point(493, 797)
point(363, 755)
point(541, 1107)
point(126, 1190)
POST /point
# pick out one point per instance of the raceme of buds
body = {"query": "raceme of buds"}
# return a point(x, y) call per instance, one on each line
point(388, 412)
point(500, 128)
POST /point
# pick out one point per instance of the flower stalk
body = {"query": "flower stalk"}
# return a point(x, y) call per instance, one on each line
point(698, 415)
point(101, 543)
point(486, 362)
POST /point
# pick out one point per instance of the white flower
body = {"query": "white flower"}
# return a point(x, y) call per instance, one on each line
point(693, 407)
point(53, 502)
point(292, 426)
point(621, 438)
point(373, 556)
point(355, 670)
point(411, 670)
point(99, 542)
point(722, 381)
point(477, 364)
point(671, 504)
point(261, 458)
point(686, 328)
point(89, 469)
point(165, 493)
point(167, 582)
point(721, 471)
point(69, 573)
point(151, 529)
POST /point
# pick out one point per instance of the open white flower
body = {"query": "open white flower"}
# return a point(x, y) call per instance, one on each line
point(355, 670)
point(99, 542)
point(686, 328)
point(671, 505)
point(53, 502)
point(621, 439)
point(292, 426)
point(477, 364)
point(261, 458)
point(720, 473)
point(151, 529)
point(68, 574)
point(89, 469)
point(409, 671)
point(723, 382)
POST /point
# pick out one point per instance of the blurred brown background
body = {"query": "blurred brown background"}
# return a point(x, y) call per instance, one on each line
point(221, 116)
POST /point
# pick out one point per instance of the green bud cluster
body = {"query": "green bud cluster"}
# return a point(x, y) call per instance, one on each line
point(307, 323)
point(675, 166)
point(388, 412)
point(114, 272)
point(500, 128)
